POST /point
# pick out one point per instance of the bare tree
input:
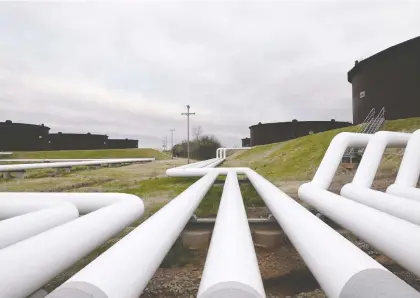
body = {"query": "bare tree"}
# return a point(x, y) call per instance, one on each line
point(197, 132)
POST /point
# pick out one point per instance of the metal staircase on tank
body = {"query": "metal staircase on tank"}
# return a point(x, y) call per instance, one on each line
point(370, 125)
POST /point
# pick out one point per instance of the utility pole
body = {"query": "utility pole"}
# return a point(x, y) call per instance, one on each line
point(172, 142)
point(188, 130)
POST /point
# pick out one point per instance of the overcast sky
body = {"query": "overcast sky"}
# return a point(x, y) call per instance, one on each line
point(129, 69)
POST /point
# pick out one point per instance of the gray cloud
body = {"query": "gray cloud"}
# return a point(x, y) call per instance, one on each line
point(128, 69)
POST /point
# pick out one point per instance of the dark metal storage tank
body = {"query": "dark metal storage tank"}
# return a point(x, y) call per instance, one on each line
point(122, 143)
point(268, 133)
point(246, 142)
point(76, 141)
point(389, 79)
point(23, 137)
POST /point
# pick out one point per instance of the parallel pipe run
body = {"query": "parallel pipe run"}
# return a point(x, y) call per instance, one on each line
point(231, 268)
point(409, 172)
point(20, 167)
point(334, 154)
point(395, 237)
point(341, 268)
point(116, 273)
point(24, 226)
point(29, 264)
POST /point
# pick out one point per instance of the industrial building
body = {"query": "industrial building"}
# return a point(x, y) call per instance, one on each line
point(76, 141)
point(389, 79)
point(268, 133)
point(122, 143)
point(23, 137)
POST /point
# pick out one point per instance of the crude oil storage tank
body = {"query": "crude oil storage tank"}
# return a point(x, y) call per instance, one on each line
point(246, 142)
point(23, 137)
point(389, 79)
point(268, 133)
point(76, 141)
point(122, 143)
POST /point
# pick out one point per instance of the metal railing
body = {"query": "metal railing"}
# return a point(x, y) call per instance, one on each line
point(370, 125)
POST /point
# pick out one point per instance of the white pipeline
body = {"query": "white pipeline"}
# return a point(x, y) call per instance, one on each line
point(24, 226)
point(22, 167)
point(334, 261)
point(334, 154)
point(29, 264)
point(395, 237)
point(408, 175)
point(125, 269)
point(231, 268)
point(202, 172)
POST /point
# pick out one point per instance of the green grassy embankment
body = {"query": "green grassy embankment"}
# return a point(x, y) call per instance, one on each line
point(91, 154)
point(298, 159)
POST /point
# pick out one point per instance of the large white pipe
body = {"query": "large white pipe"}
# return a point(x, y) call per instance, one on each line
point(409, 172)
point(359, 190)
point(334, 154)
point(373, 153)
point(125, 269)
point(405, 192)
point(28, 265)
point(202, 172)
point(39, 294)
point(341, 269)
point(231, 268)
point(18, 203)
point(24, 226)
point(395, 237)
point(20, 167)
point(400, 207)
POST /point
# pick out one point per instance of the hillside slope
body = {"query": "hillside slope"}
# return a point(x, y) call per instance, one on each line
point(299, 158)
point(106, 153)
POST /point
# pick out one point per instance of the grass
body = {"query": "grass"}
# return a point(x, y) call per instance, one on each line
point(299, 158)
point(90, 154)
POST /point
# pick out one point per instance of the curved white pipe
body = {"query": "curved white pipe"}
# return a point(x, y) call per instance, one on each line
point(334, 261)
point(359, 189)
point(20, 167)
point(373, 153)
point(395, 237)
point(24, 226)
point(18, 203)
point(116, 272)
point(231, 268)
point(29, 264)
point(408, 175)
point(334, 154)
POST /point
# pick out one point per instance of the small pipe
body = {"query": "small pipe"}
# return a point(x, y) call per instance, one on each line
point(19, 167)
